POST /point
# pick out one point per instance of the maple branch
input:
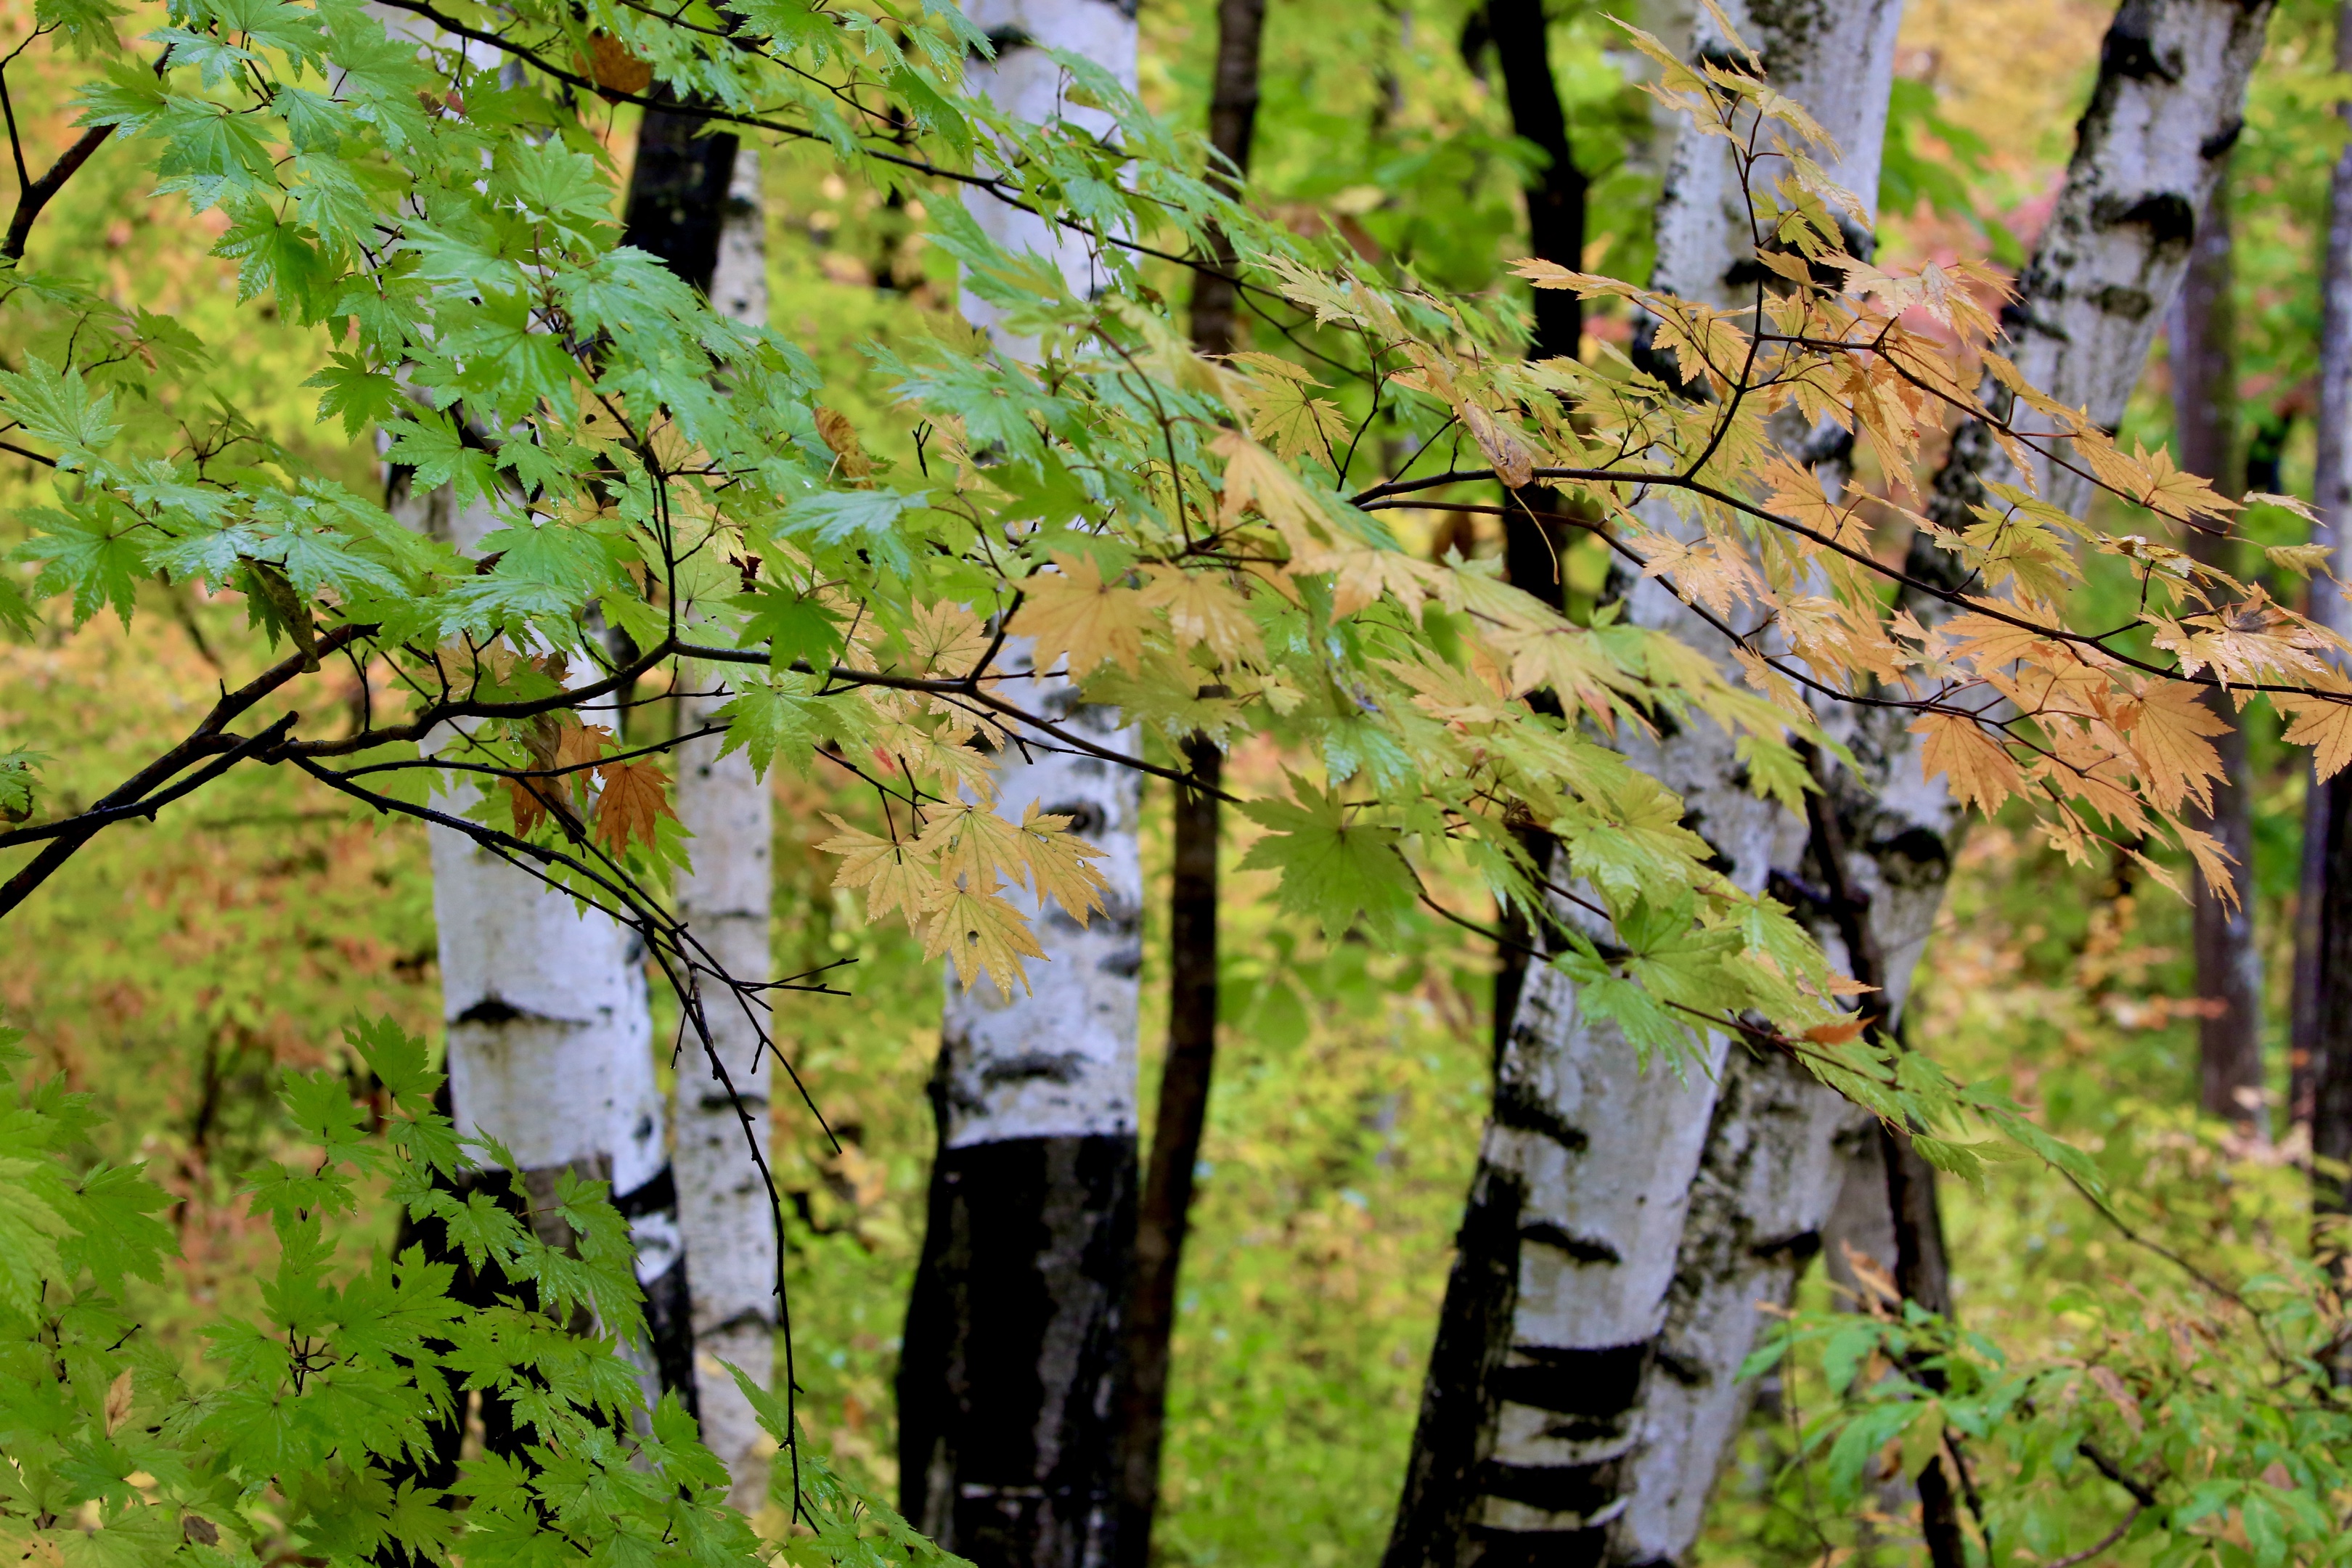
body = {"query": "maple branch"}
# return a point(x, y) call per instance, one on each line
point(2074, 1558)
point(33, 196)
point(967, 687)
point(1990, 609)
point(447, 709)
point(1011, 195)
point(205, 740)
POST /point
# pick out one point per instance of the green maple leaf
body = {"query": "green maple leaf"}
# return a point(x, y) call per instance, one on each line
point(1334, 869)
point(58, 407)
point(87, 553)
point(795, 628)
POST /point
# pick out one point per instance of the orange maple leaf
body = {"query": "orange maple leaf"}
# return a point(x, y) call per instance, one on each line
point(635, 796)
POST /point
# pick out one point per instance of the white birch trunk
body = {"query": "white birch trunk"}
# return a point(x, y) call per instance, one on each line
point(2168, 105)
point(723, 1206)
point(550, 1037)
point(1611, 1390)
point(550, 1034)
point(1032, 1203)
point(1059, 1062)
point(1768, 1178)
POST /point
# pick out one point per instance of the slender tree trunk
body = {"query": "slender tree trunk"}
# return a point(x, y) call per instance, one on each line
point(550, 1034)
point(1165, 1217)
point(1183, 1110)
point(2329, 1048)
point(2231, 1080)
point(724, 1207)
point(1007, 1378)
point(1768, 1175)
point(1232, 125)
point(2324, 992)
point(1533, 545)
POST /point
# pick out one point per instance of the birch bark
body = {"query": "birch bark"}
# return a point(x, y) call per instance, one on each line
point(550, 1034)
point(2167, 106)
point(1008, 1371)
point(724, 1211)
point(1547, 1432)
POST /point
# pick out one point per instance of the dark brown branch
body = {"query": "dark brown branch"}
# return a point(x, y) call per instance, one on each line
point(205, 740)
point(38, 194)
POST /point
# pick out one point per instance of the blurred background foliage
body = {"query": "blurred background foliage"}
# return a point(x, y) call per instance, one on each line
point(185, 962)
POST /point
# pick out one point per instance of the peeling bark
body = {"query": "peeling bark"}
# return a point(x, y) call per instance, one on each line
point(1008, 1375)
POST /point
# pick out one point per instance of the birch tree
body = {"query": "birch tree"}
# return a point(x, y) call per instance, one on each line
point(549, 1029)
point(1540, 1428)
point(726, 1214)
point(1007, 1378)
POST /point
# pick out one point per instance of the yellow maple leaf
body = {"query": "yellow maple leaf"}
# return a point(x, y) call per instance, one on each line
point(1285, 413)
point(2213, 863)
point(2323, 722)
point(1058, 859)
point(1073, 612)
point(972, 843)
point(1255, 478)
point(1361, 577)
point(1980, 768)
point(895, 876)
point(982, 934)
point(945, 639)
point(1202, 609)
point(2165, 726)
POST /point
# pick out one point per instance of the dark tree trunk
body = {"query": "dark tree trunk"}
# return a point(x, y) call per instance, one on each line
point(2229, 965)
point(1232, 123)
point(1556, 201)
point(1005, 1432)
point(2322, 1011)
point(2331, 1119)
point(2331, 1109)
point(1150, 1318)
point(1532, 543)
point(678, 193)
point(1161, 1222)
point(1465, 1371)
